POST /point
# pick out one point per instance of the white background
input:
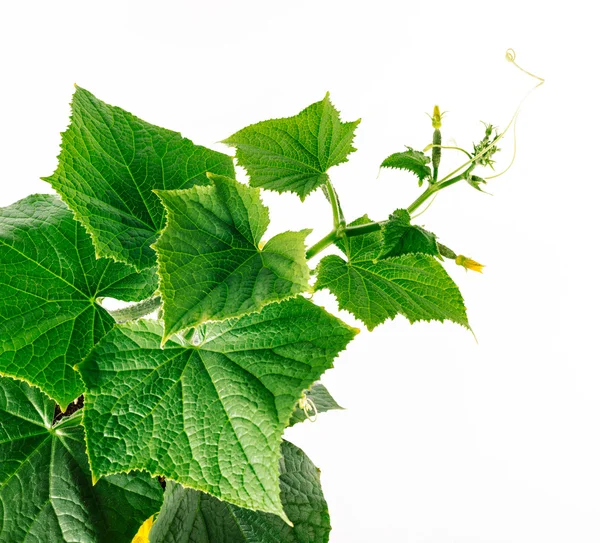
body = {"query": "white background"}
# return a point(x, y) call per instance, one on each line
point(444, 440)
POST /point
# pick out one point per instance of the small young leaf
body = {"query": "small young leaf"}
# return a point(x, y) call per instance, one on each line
point(209, 413)
point(321, 398)
point(413, 285)
point(411, 161)
point(400, 237)
point(109, 164)
point(293, 154)
point(475, 181)
point(190, 516)
point(46, 489)
point(50, 280)
point(211, 264)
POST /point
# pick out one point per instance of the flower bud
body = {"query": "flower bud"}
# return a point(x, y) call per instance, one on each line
point(436, 118)
point(469, 263)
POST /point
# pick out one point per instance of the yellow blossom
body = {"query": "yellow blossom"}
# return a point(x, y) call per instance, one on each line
point(469, 263)
point(436, 119)
point(143, 535)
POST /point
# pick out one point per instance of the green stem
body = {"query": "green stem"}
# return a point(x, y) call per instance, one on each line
point(340, 228)
point(338, 215)
point(451, 147)
point(322, 244)
point(442, 184)
point(136, 311)
point(429, 191)
point(473, 161)
point(339, 223)
point(361, 229)
point(447, 182)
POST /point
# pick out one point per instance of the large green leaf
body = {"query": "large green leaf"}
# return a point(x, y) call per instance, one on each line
point(209, 413)
point(190, 516)
point(294, 153)
point(412, 161)
point(50, 280)
point(400, 237)
point(322, 400)
point(212, 265)
point(413, 285)
point(109, 164)
point(46, 490)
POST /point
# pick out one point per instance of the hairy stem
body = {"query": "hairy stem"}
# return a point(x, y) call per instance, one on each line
point(136, 311)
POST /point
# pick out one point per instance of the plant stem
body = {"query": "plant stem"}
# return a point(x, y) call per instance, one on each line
point(340, 229)
point(339, 223)
point(429, 191)
point(322, 244)
point(361, 229)
point(338, 215)
point(431, 145)
point(136, 311)
point(447, 182)
point(442, 184)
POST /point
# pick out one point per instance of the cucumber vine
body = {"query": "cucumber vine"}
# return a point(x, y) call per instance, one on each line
point(173, 423)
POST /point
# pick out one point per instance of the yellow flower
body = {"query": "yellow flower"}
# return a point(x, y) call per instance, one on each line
point(143, 535)
point(469, 264)
point(436, 119)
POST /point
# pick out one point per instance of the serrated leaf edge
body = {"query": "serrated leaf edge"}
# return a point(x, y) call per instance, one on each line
point(411, 321)
point(95, 476)
point(166, 336)
point(302, 196)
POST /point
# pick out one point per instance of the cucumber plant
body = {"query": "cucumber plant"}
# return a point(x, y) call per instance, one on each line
point(169, 414)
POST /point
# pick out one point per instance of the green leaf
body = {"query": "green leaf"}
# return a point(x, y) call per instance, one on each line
point(476, 182)
point(413, 285)
point(400, 237)
point(321, 398)
point(190, 516)
point(46, 489)
point(211, 264)
point(109, 164)
point(411, 161)
point(293, 154)
point(209, 413)
point(49, 283)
